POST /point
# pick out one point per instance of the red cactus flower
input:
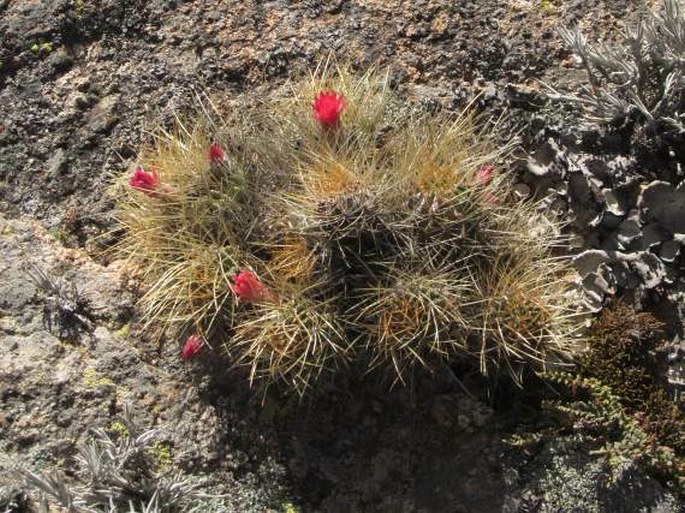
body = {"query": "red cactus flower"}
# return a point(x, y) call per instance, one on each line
point(216, 153)
point(145, 181)
point(192, 347)
point(484, 174)
point(328, 107)
point(248, 288)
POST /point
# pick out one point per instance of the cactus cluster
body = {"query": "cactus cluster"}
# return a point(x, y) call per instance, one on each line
point(333, 224)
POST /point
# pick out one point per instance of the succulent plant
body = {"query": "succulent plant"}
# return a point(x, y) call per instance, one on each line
point(347, 230)
point(643, 79)
point(118, 474)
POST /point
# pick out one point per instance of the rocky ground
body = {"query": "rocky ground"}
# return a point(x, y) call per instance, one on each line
point(82, 85)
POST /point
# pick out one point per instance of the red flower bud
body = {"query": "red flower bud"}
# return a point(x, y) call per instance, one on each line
point(145, 181)
point(248, 288)
point(216, 153)
point(484, 174)
point(328, 107)
point(192, 347)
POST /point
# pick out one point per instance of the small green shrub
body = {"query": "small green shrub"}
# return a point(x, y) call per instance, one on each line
point(616, 393)
point(384, 236)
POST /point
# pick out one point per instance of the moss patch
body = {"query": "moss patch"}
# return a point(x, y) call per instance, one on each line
point(616, 395)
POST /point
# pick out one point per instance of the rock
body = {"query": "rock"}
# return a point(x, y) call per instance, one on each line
point(57, 164)
point(136, 64)
point(55, 389)
point(521, 190)
point(562, 475)
point(103, 116)
point(12, 498)
point(60, 60)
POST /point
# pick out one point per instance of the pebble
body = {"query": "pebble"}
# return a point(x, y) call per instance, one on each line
point(521, 190)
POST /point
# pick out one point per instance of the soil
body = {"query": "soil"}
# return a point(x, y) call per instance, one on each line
point(83, 85)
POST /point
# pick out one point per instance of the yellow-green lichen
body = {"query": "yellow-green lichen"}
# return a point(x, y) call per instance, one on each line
point(92, 379)
point(119, 429)
point(44, 47)
point(547, 7)
point(288, 507)
point(161, 452)
point(123, 332)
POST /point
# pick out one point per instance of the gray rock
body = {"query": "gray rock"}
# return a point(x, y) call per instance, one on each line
point(57, 164)
point(563, 476)
point(56, 388)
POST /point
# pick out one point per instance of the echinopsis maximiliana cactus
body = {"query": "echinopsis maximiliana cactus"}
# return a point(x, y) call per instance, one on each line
point(332, 226)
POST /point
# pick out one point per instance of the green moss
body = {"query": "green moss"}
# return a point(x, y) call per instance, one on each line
point(59, 235)
point(619, 352)
point(6, 230)
point(621, 356)
point(617, 392)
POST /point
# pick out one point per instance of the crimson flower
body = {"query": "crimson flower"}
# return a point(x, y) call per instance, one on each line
point(328, 107)
point(145, 181)
point(191, 348)
point(216, 153)
point(248, 288)
point(484, 174)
